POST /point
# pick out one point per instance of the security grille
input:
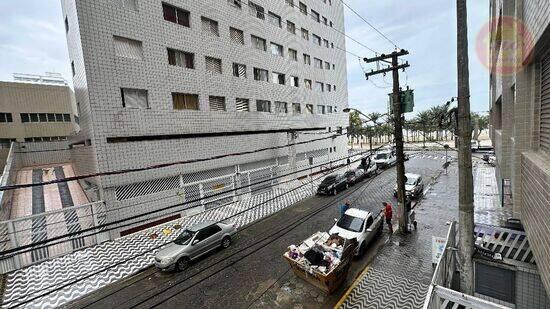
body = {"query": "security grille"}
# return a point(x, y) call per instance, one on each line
point(281, 107)
point(210, 26)
point(217, 104)
point(213, 65)
point(237, 36)
point(128, 48)
point(545, 105)
point(263, 106)
point(239, 70)
point(243, 105)
point(146, 187)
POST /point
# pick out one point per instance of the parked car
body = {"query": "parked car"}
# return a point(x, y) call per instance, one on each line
point(414, 186)
point(384, 159)
point(358, 224)
point(193, 243)
point(333, 184)
point(354, 176)
point(370, 168)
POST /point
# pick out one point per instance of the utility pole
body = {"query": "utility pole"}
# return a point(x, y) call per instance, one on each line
point(398, 127)
point(465, 178)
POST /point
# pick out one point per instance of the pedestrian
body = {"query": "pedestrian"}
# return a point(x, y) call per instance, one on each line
point(388, 212)
point(344, 208)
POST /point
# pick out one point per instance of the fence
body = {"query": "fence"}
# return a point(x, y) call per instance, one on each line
point(510, 244)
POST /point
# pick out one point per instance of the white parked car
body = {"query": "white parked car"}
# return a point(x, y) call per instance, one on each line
point(384, 159)
point(414, 186)
point(358, 224)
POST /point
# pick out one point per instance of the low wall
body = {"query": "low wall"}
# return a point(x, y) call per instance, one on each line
point(44, 153)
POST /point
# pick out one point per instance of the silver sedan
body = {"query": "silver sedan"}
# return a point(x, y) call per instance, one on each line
point(193, 243)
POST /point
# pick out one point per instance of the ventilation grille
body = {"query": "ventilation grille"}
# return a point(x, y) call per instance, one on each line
point(545, 105)
point(146, 187)
point(217, 104)
point(243, 105)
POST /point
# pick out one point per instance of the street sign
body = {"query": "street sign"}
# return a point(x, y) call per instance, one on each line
point(438, 247)
point(406, 97)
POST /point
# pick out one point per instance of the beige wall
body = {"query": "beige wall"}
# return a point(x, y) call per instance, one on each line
point(17, 98)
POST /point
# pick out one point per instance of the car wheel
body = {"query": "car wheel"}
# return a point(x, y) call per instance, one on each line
point(182, 264)
point(334, 191)
point(226, 242)
point(380, 230)
point(362, 250)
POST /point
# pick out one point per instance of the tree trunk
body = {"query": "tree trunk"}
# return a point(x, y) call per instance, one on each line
point(465, 178)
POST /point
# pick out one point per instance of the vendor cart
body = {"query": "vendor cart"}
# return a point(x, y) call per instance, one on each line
point(330, 278)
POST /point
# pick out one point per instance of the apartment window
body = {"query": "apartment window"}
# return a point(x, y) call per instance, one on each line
point(259, 43)
point(237, 36)
point(320, 109)
point(213, 65)
point(329, 109)
point(66, 24)
point(134, 98)
point(278, 78)
point(239, 70)
point(274, 19)
point(290, 2)
point(34, 117)
point(293, 54)
point(261, 75)
point(256, 10)
point(326, 43)
point(334, 87)
point(181, 58)
point(309, 108)
point(320, 87)
point(316, 39)
point(327, 65)
point(182, 101)
point(290, 27)
point(128, 48)
point(305, 34)
point(217, 104)
point(51, 117)
point(318, 63)
point(335, 109)
point(209, 26)
point(315, 16)
point(303, 8)
point(333, 66)
point(6, 141)
point(307, 59)
point(67, 117)
point(175, 15)
point(325, 21)
point(281, 107)
point(6, 117)
point(277, 49)
point(307, 83)
point(73, 70)
point(42, 117)
point(242, 105)
point(328, 87)
point(332, 45)
point(236, 3)
point(263, 106)
point(294, 81)
point(296, 108)
point(25, 118)
point(330, 23)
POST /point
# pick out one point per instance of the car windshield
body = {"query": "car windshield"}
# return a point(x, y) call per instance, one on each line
point(411, 181)
point(329, 179)
point(184, 238)
point(381, 156)
point(351, 223)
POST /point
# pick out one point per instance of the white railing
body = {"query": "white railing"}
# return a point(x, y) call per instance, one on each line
point(510, 244)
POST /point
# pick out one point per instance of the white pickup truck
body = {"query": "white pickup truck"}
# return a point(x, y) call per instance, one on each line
point(384, 159)
point(361, 225)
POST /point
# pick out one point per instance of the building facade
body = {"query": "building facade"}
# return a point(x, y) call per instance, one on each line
point(167, 81)
point(520, 116)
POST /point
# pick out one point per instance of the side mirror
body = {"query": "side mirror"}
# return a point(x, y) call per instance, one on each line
point(369, 230)
point(196, 241)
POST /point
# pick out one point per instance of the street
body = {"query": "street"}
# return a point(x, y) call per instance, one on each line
point(250, 271)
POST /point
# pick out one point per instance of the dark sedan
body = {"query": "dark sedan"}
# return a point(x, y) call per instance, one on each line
point(332, 184)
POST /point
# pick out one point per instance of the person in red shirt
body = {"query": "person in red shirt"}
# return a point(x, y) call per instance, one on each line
point(388, 212)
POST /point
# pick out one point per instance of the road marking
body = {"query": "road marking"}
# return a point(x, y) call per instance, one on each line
point(353, 285)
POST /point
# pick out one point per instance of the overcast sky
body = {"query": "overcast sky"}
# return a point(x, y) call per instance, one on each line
point(32, 40)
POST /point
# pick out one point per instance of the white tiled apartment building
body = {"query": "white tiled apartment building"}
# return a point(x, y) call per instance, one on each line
point(166, 81)
point(520, 116)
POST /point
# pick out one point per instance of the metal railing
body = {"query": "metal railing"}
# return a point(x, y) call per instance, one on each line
point(510, 244)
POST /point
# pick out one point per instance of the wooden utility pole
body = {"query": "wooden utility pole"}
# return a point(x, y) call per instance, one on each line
point(465, 178)
point(398, 128)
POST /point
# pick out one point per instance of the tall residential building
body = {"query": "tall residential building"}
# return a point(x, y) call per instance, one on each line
point(166, 81)
point(520, 116)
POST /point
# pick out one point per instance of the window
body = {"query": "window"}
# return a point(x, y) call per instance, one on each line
point(307, 59)
point(134, 98)
point(325, 21)
point(307, 83)
point(294, 81)
point(290, 2)
point(320, 109)
point(237, 36)
point(128, 48)
point(213, 65)
point(51, 117)
point(274, 19)
point(329, 109)
point(259, 43)
point(293, 54)
point(6, 141)
point(332, 45)
point(325, 42)
point(181, 58)
point(185, 101)
point(175, 15)
point(296, 108)
point(66, 117)
point(261, 75)
point(333, 87)
point(303, 8)
point(242, 105)
point(305, 34)
point(263, 106)
point(327, 65)
point(309, 108)
point(239, 70)
point(25, 118)
point(278, 78)
point(34, 117)
point(290, 27)
point(66, 24)
point(6, 117)
point(319, 87)
point(317, 39)
point(318, 63)
point(328, 87)
point(236, 3)
point(42, 117)
point(58, 117)
point(333, 66)
point(277, 49)
point(73, 70)
point(315, 16)
point(256, 10)
point(209, 26)
point(281, 107)
point(335, 109)
point(217, 104)
point(330, 23)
